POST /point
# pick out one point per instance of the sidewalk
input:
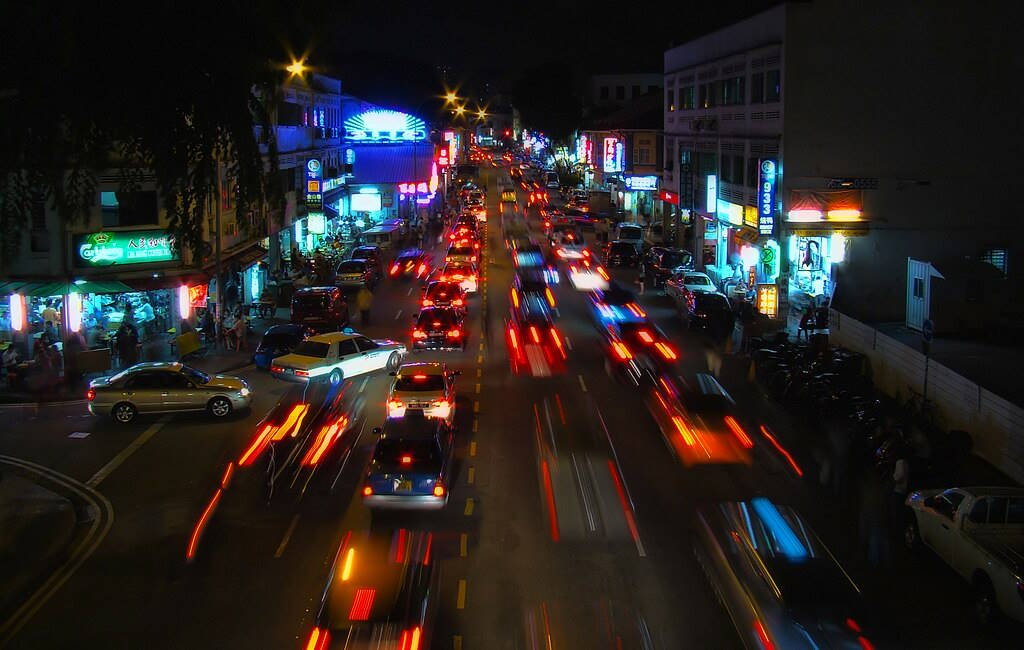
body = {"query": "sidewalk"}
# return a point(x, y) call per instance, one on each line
point(35, 527)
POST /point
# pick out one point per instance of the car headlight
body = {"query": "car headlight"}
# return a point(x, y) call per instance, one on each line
point(245, 392)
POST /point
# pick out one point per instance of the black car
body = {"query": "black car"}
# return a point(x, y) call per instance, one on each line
point(621, 253)
point(373, 257)
point(321, 308)
point(412, 262)
point(279, 340)
point(661, 262)
point(710, 311)
point(532, 281)
point(439, 328)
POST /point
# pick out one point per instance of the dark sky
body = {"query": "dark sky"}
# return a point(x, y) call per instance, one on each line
point(393, 52)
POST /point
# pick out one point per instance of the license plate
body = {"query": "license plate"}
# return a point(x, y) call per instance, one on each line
point(312, 318)
point(405, 486)
point(435, 333)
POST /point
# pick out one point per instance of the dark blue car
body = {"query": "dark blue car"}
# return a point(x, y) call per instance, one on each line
point(277, 341)
point(411, 465)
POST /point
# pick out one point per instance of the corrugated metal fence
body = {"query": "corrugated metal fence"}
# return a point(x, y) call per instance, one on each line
point(995, 424)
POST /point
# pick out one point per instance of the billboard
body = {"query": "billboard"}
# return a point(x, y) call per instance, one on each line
point(123, 247)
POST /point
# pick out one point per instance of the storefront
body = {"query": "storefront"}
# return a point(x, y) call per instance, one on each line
point(640, 192)
point(819, 225)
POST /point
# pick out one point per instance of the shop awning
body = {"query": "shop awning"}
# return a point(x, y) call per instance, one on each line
point(824, 229)
point(149, 283)
point(825, 200)
point(46, 289)
point(242, 256)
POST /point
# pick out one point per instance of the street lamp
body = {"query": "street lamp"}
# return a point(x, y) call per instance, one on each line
point(297, 67)
point(460, 110)
point(481, 114)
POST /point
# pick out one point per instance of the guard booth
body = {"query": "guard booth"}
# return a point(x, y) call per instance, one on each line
point(919, 292)
point(384, 236)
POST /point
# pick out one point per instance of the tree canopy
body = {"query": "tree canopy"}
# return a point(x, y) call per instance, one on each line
point(157, 93)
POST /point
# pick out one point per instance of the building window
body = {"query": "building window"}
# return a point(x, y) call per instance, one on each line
point(645, 156)
point(604, 92)
point(996, 257)
point(737, 170)
point(651, 89)
point(773, 86)
point(635, 92)
point(919, 287)
point(757, 88)
point(620, 92)
point(708, 163)
point(686, 98)
point(732, 91)
point(670, 100)
point(128, 209)
point(707, 95)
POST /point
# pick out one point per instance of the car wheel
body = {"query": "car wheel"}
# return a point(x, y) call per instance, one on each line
point(219, 407)
point(393, 362)
point(911, 534)
point(335, 377)
point(986, 608)
point(123, 412)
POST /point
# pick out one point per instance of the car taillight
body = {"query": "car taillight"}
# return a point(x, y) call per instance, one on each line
point(439, 404)
point(738, 431)
point(406, 460)
point(438, 490)
point(534, 334)
point(472, 258)
point(550, 296)
point(421, 269)
point(442, 278)
point(90, 394)
point(394, 269)
point(586, 253)
point(458, 302)
point(319, 639)
point(419, 334)
point(646, 337)
point(621, 351)
point(557, 339)
point(395, 404)
point(302, 373)
point(454, 334)
point(447, 258)
point(666, 351)
point(547, 224)
point(367, 491)
point(515, 298)
point(427, 302)
point(276, 369)
point(603, 273)
point(512, 337)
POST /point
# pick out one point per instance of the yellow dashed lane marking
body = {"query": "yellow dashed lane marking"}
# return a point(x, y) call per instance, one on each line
point(476, 407)
point(463, 545)
point(479, 371)
point(472, 448)
point(460, 602)
point(471, 475)
point(478, 389)
point(480, 359)
point(476, 425)
point(469, 507)
point(456, 642)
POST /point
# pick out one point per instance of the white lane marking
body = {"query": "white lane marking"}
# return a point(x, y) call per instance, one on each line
point(568, 344)
point(398, 315)
point(102, 515)
point(409, 292)
point(362, 386)
point(583, 386)
point(622, 476)
point(116, 461)
point(79, 434)
point(287, 536)
point(583, 493)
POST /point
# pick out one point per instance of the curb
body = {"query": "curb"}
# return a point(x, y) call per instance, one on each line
point(23, 405)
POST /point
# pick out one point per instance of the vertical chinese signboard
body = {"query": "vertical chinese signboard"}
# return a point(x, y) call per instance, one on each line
point(768, 299)
point(314, 189)
point(766, 197)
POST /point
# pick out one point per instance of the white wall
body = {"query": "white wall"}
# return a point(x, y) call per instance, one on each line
point(995, 424)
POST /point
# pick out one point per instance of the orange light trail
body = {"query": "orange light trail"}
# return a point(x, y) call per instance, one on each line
point(197, 532)
point(683, 430)
point(318, 639)
point(626, 510)
point(226, 479)
point(257, 446)
point(324, 439)
point(426, 554)
point(549, 492)
point(744, 439)
point(294, 419)
point(781, 450)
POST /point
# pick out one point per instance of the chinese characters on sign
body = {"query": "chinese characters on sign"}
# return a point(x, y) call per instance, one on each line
point(669, 197)
point(712, 187)
point(314, 192)
point(612, 156)
point(768, 299)
point(766, 197)
point(124, 247)
point(636, 183)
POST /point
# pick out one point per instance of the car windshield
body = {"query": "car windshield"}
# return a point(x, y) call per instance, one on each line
point(196, 376)
point(712, 301)
point(352, 266)
point(312, 349)
point(672, 259)
point(363, 253)
point(630, 232)
point(443, 290)
point(398, 455)
point(415, 381)
point(436, 318)
point(311, 300)
point(701, 280)
point(622, 247)
point(460, 250)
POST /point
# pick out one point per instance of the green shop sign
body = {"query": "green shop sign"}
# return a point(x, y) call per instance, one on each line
point(124, 247)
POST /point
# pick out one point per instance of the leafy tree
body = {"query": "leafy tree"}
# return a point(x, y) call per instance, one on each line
point(157, 96)
point(568, 175)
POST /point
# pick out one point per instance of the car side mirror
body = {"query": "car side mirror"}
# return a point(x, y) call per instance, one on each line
point(376, 430)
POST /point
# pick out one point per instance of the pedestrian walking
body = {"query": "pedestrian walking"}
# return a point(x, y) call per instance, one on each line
point(363, 301)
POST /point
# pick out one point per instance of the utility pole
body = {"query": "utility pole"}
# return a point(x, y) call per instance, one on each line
point(219, 304)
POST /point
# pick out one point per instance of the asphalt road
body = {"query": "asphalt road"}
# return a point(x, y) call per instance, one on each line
point(568, 524)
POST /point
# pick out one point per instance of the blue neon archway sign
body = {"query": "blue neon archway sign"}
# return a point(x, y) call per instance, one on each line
point(381, 125)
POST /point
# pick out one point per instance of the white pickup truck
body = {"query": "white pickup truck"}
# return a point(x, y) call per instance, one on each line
point(979, 532)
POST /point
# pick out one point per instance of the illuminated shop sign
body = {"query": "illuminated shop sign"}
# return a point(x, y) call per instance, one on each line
point(766, 197)
point(314, 186)
point(124, 247)
point(730, 212)
point(637, 183)
point(613, 150)
point(385, 126)
point(768, 299)
point(712, 187)
point(585, 150)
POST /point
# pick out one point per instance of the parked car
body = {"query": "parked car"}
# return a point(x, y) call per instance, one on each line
point(355, 274)
point(373, 257)
point(684, 280)
point(621, 253)
point(322, 308)
point(778, 581)
point(661, 263)
point(979, 533)
point(411, 464)
point(707, 310)
point(336, 356)
point(279, 340)
point(163, 388)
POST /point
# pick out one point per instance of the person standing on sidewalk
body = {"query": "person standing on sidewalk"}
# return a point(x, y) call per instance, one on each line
point(363, 301)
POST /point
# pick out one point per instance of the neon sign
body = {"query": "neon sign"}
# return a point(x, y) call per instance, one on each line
point(124, 247)
point(766, 197)
point(314, 186)
point(612, 155)
point(636, 183)
point(385, 126)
